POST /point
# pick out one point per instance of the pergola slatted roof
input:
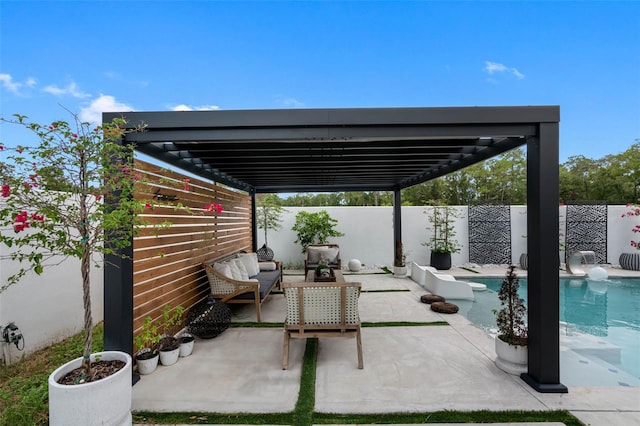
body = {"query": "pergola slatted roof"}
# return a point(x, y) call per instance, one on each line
point(364, 149)
point(325, 150)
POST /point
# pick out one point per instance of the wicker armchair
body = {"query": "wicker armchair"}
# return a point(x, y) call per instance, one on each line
point(317, 252)
point(321, 310)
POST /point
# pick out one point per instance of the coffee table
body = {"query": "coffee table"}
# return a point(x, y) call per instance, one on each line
point(311, 274)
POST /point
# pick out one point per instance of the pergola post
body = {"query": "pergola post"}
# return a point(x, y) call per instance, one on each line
point(543, 272)
point(254, 223)
point(397, 222)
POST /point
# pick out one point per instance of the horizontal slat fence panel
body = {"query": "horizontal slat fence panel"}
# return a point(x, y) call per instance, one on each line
point(178, 234)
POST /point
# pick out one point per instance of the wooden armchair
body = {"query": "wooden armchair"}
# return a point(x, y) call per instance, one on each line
point(316, 253)
point(321, 310)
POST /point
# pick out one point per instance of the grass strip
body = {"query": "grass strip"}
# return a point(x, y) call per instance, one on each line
point(197, 418)
point(483, 416)
point(303, 412)
point(24, 389)
point(404, 324)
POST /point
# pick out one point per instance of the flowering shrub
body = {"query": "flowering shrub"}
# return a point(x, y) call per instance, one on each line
point(634, 210)
point(51, 203)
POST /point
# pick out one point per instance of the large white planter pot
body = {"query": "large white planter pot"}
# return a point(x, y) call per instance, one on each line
point(511, 359)
point(105, 402)
point(169, 357)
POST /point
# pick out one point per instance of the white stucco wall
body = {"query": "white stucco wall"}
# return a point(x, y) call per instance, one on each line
point(46, 308)
point(369, 234)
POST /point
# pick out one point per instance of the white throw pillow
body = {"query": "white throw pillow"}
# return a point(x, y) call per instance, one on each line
point(314, 254)
point(235, 271)
point(250, 261)
point(331, 254)
point(267, 266)
point(223, 268)
point(243, 270)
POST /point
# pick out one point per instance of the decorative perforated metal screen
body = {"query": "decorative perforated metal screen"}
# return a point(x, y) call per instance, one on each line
point(490, 234)
point(587, 230)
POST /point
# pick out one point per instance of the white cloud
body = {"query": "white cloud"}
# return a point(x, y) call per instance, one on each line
point(72, 89)
point(103, 103)
point(184, 107)
point(289, 102)
point(494, 67)
point(13, 86)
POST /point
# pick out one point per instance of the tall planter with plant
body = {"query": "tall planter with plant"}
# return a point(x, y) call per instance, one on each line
point(269, 216)
point(511, 341)
point(315, 228)
point(52, 193)
point(442, 241)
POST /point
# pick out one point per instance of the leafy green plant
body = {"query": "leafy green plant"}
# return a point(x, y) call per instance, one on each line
point(169, 321)
point(510, 318)
point(149, 338)
point(314, 228)
point(269, 215)
point(38, 225)
point(442, 220)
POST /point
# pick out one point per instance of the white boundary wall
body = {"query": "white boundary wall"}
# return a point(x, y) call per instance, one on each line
point(369, 234)
point(46, 308)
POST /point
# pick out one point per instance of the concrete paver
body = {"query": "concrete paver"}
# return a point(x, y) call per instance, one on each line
point(406, 369)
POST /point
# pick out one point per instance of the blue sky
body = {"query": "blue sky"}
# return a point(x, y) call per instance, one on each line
point(91, 57)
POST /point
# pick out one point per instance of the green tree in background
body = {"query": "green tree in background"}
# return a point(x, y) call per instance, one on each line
point(314, 228)
point(269, 215)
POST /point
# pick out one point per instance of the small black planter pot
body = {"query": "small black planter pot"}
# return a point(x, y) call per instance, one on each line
point(441, 261)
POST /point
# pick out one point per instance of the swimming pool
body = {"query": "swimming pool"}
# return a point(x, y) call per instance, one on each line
point(599, 327)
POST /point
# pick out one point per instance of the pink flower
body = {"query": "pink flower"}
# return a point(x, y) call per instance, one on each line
point(186, 184)
point(6, 191)
point(1, 147)
point(38, 217)
point(98, 197)
point(147, 206)
point(214, 207)
point(17, 227)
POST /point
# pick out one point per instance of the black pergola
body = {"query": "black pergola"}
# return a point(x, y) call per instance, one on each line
point(371, 149)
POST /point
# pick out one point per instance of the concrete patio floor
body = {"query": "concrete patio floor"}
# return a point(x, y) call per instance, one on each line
point(406, 369)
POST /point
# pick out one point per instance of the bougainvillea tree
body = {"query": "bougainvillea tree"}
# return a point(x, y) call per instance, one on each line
point(634, 211)
point(52, 202)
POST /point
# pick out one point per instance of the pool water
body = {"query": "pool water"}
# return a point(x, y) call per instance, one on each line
point(599, 325)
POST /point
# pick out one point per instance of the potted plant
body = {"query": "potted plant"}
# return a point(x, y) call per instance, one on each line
point(399, 261)
point(442, 241)
point(52, 208)
point(314, 228)
point(511, 341)
point(169, 345)
point(186, 344)
point(269, 216)
point(147, 344)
